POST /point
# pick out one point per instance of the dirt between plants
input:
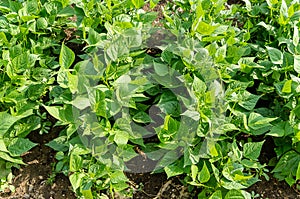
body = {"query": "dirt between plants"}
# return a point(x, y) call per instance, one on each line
point(32, 181)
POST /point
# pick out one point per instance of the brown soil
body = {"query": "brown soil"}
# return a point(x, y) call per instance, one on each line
point(273, 189)
point(32, 181)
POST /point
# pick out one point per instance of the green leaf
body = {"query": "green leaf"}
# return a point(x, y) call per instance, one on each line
point(199, 86)
point(232, 185)
point(66, 57)
point(87, 194)
point(275, 55)
point(169, 104)
point(6, 121)
point(281, 129)
point(59, 144)
point(76, 179)
point(259, 124)
point(194, 172)
point(19, 146)
point(296, 35)
point(41, 23)
point(204, 174)
point(284, 9)
point(167, 159)
point(297, 63)
point(138, 3)
point(216, 195)
point(248, 100)
point(6, 157)
point(141, 117)
point(252, 150)
point(3, 146)
point(234, 194)
point(205, 28)
point(121, 138)
point(118, 177)
point(93, 37)
point(287, 87)
point(75, 162)
point(288, 164)
point(65, 114)
point(160, 69)
point(173, 170)
point(298, 172)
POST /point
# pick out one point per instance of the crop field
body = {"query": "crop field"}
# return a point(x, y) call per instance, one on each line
point(107, 99)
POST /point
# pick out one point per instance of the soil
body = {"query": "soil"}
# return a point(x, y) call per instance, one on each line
point(33, 180)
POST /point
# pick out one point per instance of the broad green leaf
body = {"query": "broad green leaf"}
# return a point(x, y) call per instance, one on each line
point(6, 121)
point(167, 159)
point(54, 111)
point(72, 82)
point(234, 194)
point(216, 172)
point(75, 163)
point(298, 172)
point(141, 117)
point(93, 37)
point(275, 55)
point(238, 177)
point(297, 63)
point(216, 195)
point(65, 114)
point(173, 170)
point(199, 86)
point(81, 102)
point(284, 9)
point(66, 11)
point(259, 124)
point(117, 49)
point(194, 172)
point(281, 129)
point(59, 144)
point(205, 28)
point(248, 100)
point(18, 146)
point(160, 69)
point(138, 3)
point(296, 35)
point(35, 91)
point(87, 194)
point(204, 174)
point(41, 23)
point(66, 57)
point(121, 138)
point(3, 146)
point(169, 104)
point(232, 185)
point(296, 110)
point(287, 87)
point(288, 164)
point(118, 177)
point(76, 179)
point(7, 157)
point(170, 124)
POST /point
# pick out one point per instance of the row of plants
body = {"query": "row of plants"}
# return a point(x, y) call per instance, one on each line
point(210, 81)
